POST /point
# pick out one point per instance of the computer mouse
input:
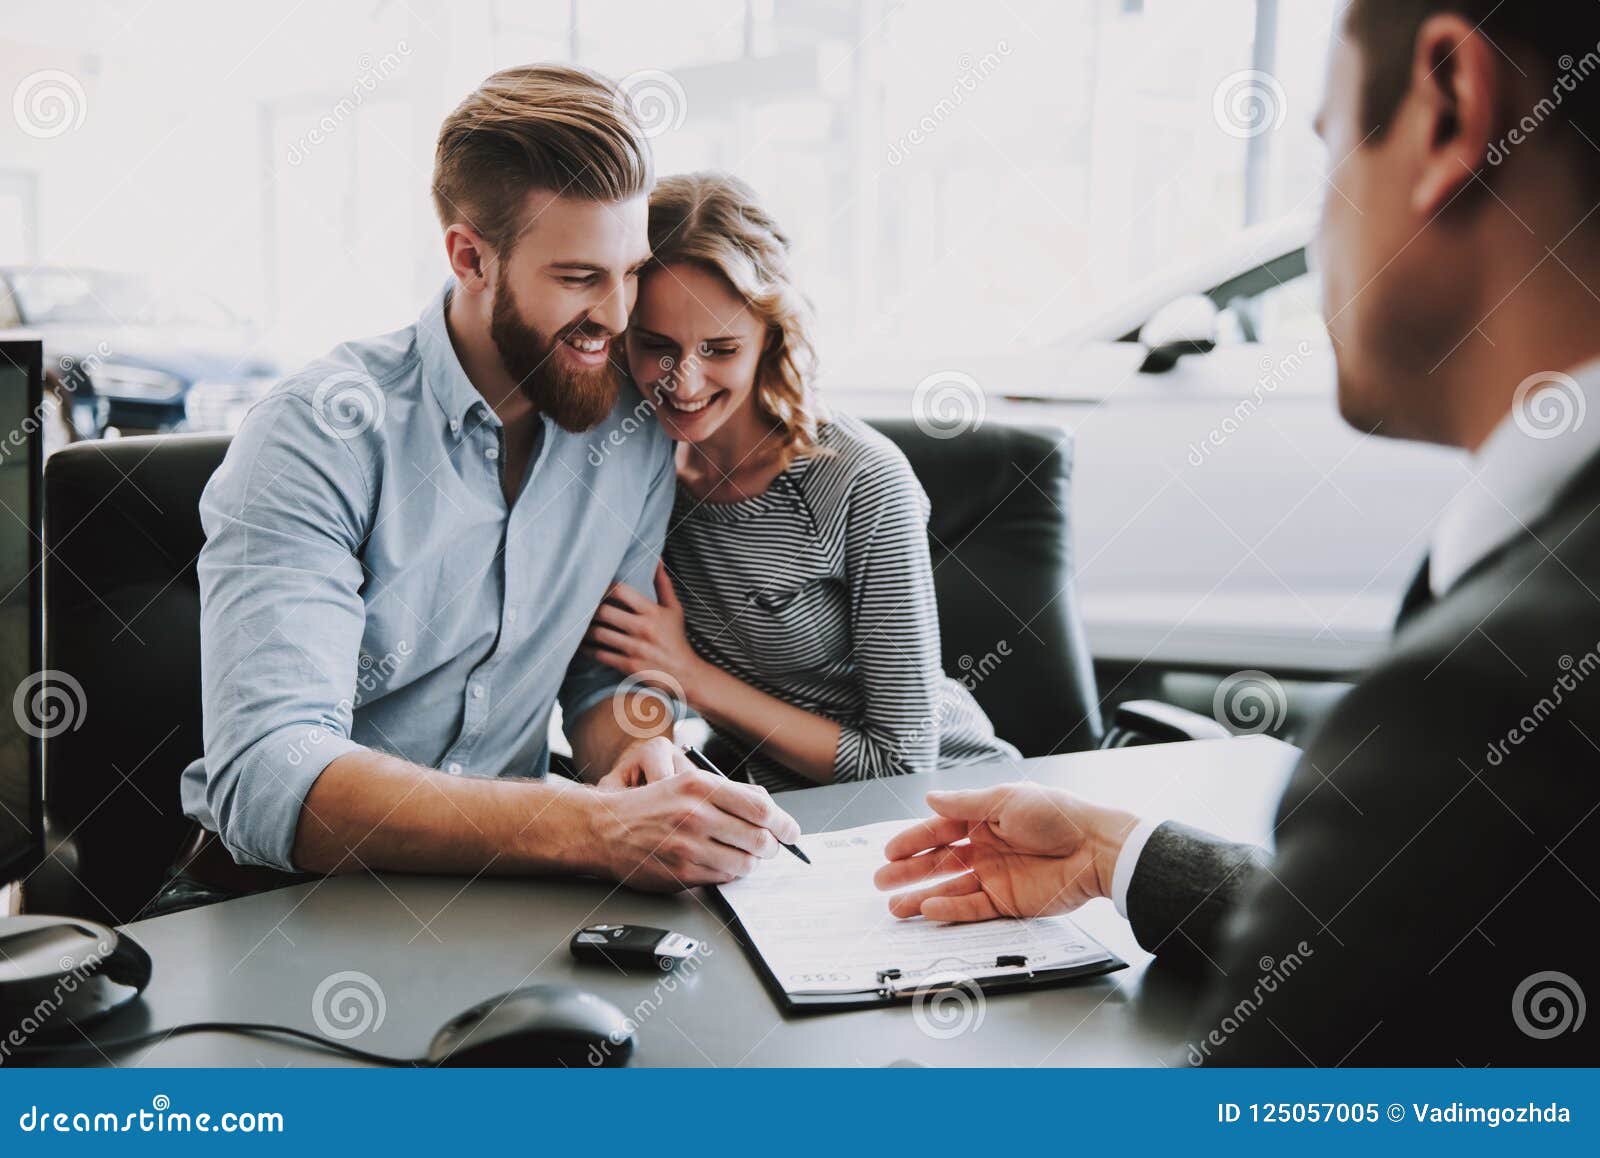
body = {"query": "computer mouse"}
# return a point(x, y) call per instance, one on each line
point(537, 1025)
point(60, 973)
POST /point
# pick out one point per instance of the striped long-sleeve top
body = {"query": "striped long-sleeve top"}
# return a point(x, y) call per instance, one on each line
point(819, 591)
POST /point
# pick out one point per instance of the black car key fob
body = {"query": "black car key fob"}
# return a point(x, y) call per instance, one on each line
point(632, 946)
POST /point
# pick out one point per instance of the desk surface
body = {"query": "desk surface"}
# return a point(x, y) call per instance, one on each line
point(436, 945)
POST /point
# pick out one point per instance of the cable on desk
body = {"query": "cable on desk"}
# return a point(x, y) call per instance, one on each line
point(248, 1029)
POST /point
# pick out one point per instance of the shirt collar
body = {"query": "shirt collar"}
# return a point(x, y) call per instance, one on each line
point(1518, 473)
point(447, 381)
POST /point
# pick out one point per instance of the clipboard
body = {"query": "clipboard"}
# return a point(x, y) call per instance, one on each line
point(936, 964)
point(896, 986)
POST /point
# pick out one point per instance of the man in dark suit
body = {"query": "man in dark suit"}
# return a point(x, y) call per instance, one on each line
point(1436, 881)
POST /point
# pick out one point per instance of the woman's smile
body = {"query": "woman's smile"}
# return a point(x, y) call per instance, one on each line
point(687, 407)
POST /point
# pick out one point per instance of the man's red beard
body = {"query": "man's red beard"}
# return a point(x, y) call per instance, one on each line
point(576, 400)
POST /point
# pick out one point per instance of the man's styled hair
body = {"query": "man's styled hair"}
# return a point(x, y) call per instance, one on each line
point(536, 127)
point(1556, 43)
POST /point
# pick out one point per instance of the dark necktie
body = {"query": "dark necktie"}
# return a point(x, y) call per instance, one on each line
point(1418, 597)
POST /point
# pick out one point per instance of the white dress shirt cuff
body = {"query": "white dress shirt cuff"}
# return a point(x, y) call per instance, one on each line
point(1128, 860)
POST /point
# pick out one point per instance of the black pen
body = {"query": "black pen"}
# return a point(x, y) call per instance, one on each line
point(703, 762)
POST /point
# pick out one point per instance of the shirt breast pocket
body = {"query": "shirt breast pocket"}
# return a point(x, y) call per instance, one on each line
point(798, 625)
point(776, 600)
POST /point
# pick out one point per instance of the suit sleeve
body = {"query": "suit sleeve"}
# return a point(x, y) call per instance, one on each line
point(1185, 883)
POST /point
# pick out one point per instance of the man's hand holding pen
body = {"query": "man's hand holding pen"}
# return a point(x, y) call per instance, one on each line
point(669, 822)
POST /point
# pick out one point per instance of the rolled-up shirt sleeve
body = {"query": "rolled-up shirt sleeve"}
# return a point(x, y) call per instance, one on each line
point(588, 681)
point(281, 623)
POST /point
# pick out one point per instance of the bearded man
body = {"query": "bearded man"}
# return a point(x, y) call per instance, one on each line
point(408, 538)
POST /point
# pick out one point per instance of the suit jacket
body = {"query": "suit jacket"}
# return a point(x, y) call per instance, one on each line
point(1435, 891)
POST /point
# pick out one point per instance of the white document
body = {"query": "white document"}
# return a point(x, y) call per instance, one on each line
point(825, 928)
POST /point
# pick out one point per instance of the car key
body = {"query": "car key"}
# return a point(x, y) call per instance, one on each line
point(633, 946)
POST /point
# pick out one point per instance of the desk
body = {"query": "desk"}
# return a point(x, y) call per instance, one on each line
point(436, 945)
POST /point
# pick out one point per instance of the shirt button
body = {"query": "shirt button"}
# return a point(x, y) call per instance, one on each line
point(492, 453)
point(455, 426)
point(477, 691)
point(454, 769)
point(511, 615)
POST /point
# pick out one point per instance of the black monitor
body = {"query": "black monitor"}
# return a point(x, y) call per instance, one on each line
point(24, 700)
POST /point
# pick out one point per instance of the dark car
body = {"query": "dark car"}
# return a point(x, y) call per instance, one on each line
point(121, 352)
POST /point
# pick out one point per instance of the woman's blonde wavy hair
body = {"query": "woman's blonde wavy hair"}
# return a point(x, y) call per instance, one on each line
point(714, 220)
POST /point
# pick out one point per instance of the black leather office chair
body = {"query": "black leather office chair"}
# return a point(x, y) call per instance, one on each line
point(1000, 535)
point(122, 618)
point(1001, 542)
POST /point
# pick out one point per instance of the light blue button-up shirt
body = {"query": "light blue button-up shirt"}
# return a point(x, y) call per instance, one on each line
point(364, 585)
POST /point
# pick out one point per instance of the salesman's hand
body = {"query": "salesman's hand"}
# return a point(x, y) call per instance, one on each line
point(1022, 850)
point(689, 829)
point(644, 762)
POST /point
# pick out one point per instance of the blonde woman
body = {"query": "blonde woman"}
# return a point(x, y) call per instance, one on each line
point(795, 606)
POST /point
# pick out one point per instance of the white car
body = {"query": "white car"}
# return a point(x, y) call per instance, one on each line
point(1225, 515)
